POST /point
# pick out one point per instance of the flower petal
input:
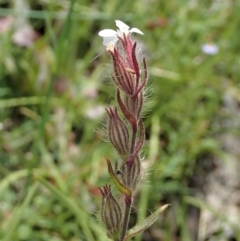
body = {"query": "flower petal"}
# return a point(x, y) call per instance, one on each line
point(107, 33)
point(110, 37)
point(122, 26)
point(136, 30)
point(110, 40)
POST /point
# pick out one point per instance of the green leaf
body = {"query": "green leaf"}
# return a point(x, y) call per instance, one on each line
point(146, 223)
point(18, 213)
point(121, 188)
point(72, 205)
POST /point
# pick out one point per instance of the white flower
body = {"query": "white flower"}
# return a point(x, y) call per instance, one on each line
point(110, 37)
point(210, 49)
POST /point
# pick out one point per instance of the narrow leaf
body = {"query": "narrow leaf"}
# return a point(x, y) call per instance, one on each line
point(18, 214)
point(121, 188)
point(146, 223)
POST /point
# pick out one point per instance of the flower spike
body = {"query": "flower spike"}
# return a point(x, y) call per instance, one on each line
point(126, 132)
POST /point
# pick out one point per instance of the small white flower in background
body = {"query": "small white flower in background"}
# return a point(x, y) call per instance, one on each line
point(110, 37)
point(210, 49)
point(95, 112)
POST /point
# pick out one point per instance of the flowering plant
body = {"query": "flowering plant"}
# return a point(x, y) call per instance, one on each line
point(126, 133)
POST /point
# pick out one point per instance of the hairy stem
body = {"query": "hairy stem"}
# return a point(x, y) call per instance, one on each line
point(128, 205)
point(126, 220)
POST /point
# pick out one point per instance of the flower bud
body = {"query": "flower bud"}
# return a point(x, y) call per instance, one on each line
point(134, 104)
point(124, 76)
point(131, 170)
point(117, 132)
point(132, 174)
point(111, 213)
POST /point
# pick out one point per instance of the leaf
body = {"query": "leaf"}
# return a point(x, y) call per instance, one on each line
point(18, 214)
point(72, 205)
point(121, 188)
point(146, 223)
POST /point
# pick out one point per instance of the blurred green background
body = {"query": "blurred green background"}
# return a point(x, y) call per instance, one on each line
point(54, 85)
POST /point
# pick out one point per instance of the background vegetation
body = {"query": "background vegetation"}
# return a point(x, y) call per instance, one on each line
point(54, 86)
